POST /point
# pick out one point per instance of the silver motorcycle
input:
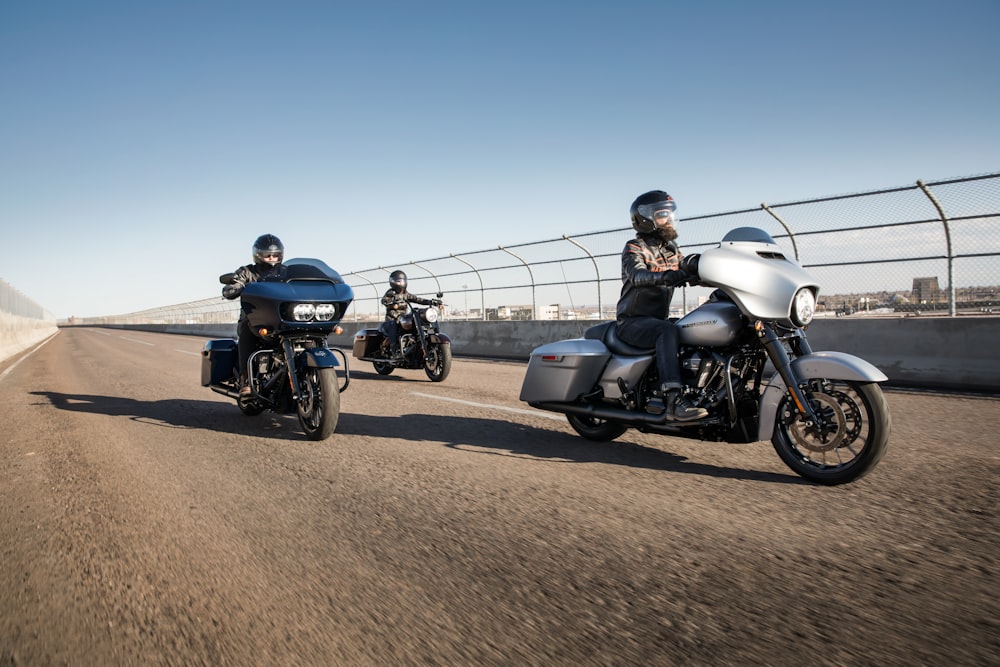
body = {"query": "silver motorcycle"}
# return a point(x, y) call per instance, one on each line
point(744, 358)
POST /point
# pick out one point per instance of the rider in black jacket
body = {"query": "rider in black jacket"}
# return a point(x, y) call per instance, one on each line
point(651, 269)
point(268, 253)
point(395, 300)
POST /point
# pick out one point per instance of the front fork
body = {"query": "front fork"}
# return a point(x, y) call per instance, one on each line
point(782, 363)
point(289, 350)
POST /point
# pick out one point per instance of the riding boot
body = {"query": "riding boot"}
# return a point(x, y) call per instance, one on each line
point(681, 409)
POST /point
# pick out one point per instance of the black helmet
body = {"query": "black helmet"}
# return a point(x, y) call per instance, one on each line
point(397, 280)
point(648, 207)
point(266, 247)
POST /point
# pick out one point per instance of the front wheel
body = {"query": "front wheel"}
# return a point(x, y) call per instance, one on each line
point(318, 406)
point(437, 362)
point(599, 430)
point(853, 437)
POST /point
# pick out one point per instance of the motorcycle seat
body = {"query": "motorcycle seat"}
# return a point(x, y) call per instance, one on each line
point(607, 333)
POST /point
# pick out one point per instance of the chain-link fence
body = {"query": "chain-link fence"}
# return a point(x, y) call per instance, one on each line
point(12, 302)
point(929, 247)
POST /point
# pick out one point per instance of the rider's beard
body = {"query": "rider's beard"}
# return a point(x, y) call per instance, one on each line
point(667, 233)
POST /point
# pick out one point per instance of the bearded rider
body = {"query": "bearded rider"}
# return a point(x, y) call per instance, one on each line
point(652, 266)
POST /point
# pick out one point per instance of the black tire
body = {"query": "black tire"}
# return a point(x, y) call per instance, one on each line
point(250, 406)
point(382, 367)
point(598, 430)
point(860, 414)
point(437, 362)
point(318, 406)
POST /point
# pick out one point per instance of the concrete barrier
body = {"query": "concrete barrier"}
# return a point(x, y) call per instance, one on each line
point(19, 333)
point(927, 352)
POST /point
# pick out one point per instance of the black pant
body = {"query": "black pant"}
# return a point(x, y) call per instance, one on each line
point(390, 329)
point(248, 342)
point(661, 334)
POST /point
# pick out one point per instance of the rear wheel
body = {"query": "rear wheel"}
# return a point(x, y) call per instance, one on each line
point(382, 367)
point(437, 362)
point(251, 407)
point(318, 406)
point(852, 438)
point(592, 428)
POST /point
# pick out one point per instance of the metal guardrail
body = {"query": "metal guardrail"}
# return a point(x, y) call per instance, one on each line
point(928, 247)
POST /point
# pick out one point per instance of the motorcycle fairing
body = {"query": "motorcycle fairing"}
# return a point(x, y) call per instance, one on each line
point(828, 365)
point(767, 280)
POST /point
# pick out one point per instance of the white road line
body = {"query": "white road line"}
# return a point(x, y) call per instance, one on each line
point(134, 340)
point(197, 354)
point(488, 406)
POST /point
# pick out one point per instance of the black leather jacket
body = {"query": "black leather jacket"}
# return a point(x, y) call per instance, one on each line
point(395, 303)
point(649, 274)
point(251, 273)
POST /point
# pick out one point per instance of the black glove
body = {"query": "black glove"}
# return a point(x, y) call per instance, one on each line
point(690, 265)
point(436, 302)
point(671, 278)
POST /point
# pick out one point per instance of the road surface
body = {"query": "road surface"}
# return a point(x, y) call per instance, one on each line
point(146, 521)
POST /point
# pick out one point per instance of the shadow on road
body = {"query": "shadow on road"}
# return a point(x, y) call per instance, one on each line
point(501, 438)
point(470, 434)
point(181, 413)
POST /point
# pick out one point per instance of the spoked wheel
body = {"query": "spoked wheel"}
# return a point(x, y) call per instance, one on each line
point(592, 428)
point(852, 438)
point(437, 362)
point(319, 402)
point(382, 367)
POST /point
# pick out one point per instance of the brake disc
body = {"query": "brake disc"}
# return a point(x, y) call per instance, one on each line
point(814, 438)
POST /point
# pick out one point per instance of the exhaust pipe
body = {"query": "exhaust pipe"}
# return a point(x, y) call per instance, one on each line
point(604, 412)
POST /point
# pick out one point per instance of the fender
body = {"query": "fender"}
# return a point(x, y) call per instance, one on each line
point(318, 357)
point(832, 365)
point(439, 338)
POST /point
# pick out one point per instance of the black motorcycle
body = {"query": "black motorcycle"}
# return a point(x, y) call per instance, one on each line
point(421, 344)
point(295, 371)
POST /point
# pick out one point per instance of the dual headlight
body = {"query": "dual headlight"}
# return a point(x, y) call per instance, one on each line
point(803, 307)
point(310, 312)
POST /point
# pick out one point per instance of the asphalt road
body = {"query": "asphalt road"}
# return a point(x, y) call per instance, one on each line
point(146, 521)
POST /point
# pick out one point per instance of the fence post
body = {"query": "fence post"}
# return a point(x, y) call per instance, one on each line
point(482, 290)
point(374, 289)
point(947, 237)
point(531, 275)
point(431, 273)
point(795, 248)
point(597, 270)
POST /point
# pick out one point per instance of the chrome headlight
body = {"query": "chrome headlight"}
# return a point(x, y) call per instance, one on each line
point(803, 307)
point(325, 312)
point(303, 312)
point(431, 314)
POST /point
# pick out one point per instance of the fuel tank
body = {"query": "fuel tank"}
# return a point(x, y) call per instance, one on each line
point(713, 324)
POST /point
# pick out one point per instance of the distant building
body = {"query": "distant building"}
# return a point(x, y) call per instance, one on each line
point(926, 290)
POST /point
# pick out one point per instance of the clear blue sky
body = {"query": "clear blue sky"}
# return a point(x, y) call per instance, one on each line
point(144, 145)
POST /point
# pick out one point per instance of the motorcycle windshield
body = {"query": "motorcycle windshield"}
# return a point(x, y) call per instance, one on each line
point(753, 270)
point(308, 268)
